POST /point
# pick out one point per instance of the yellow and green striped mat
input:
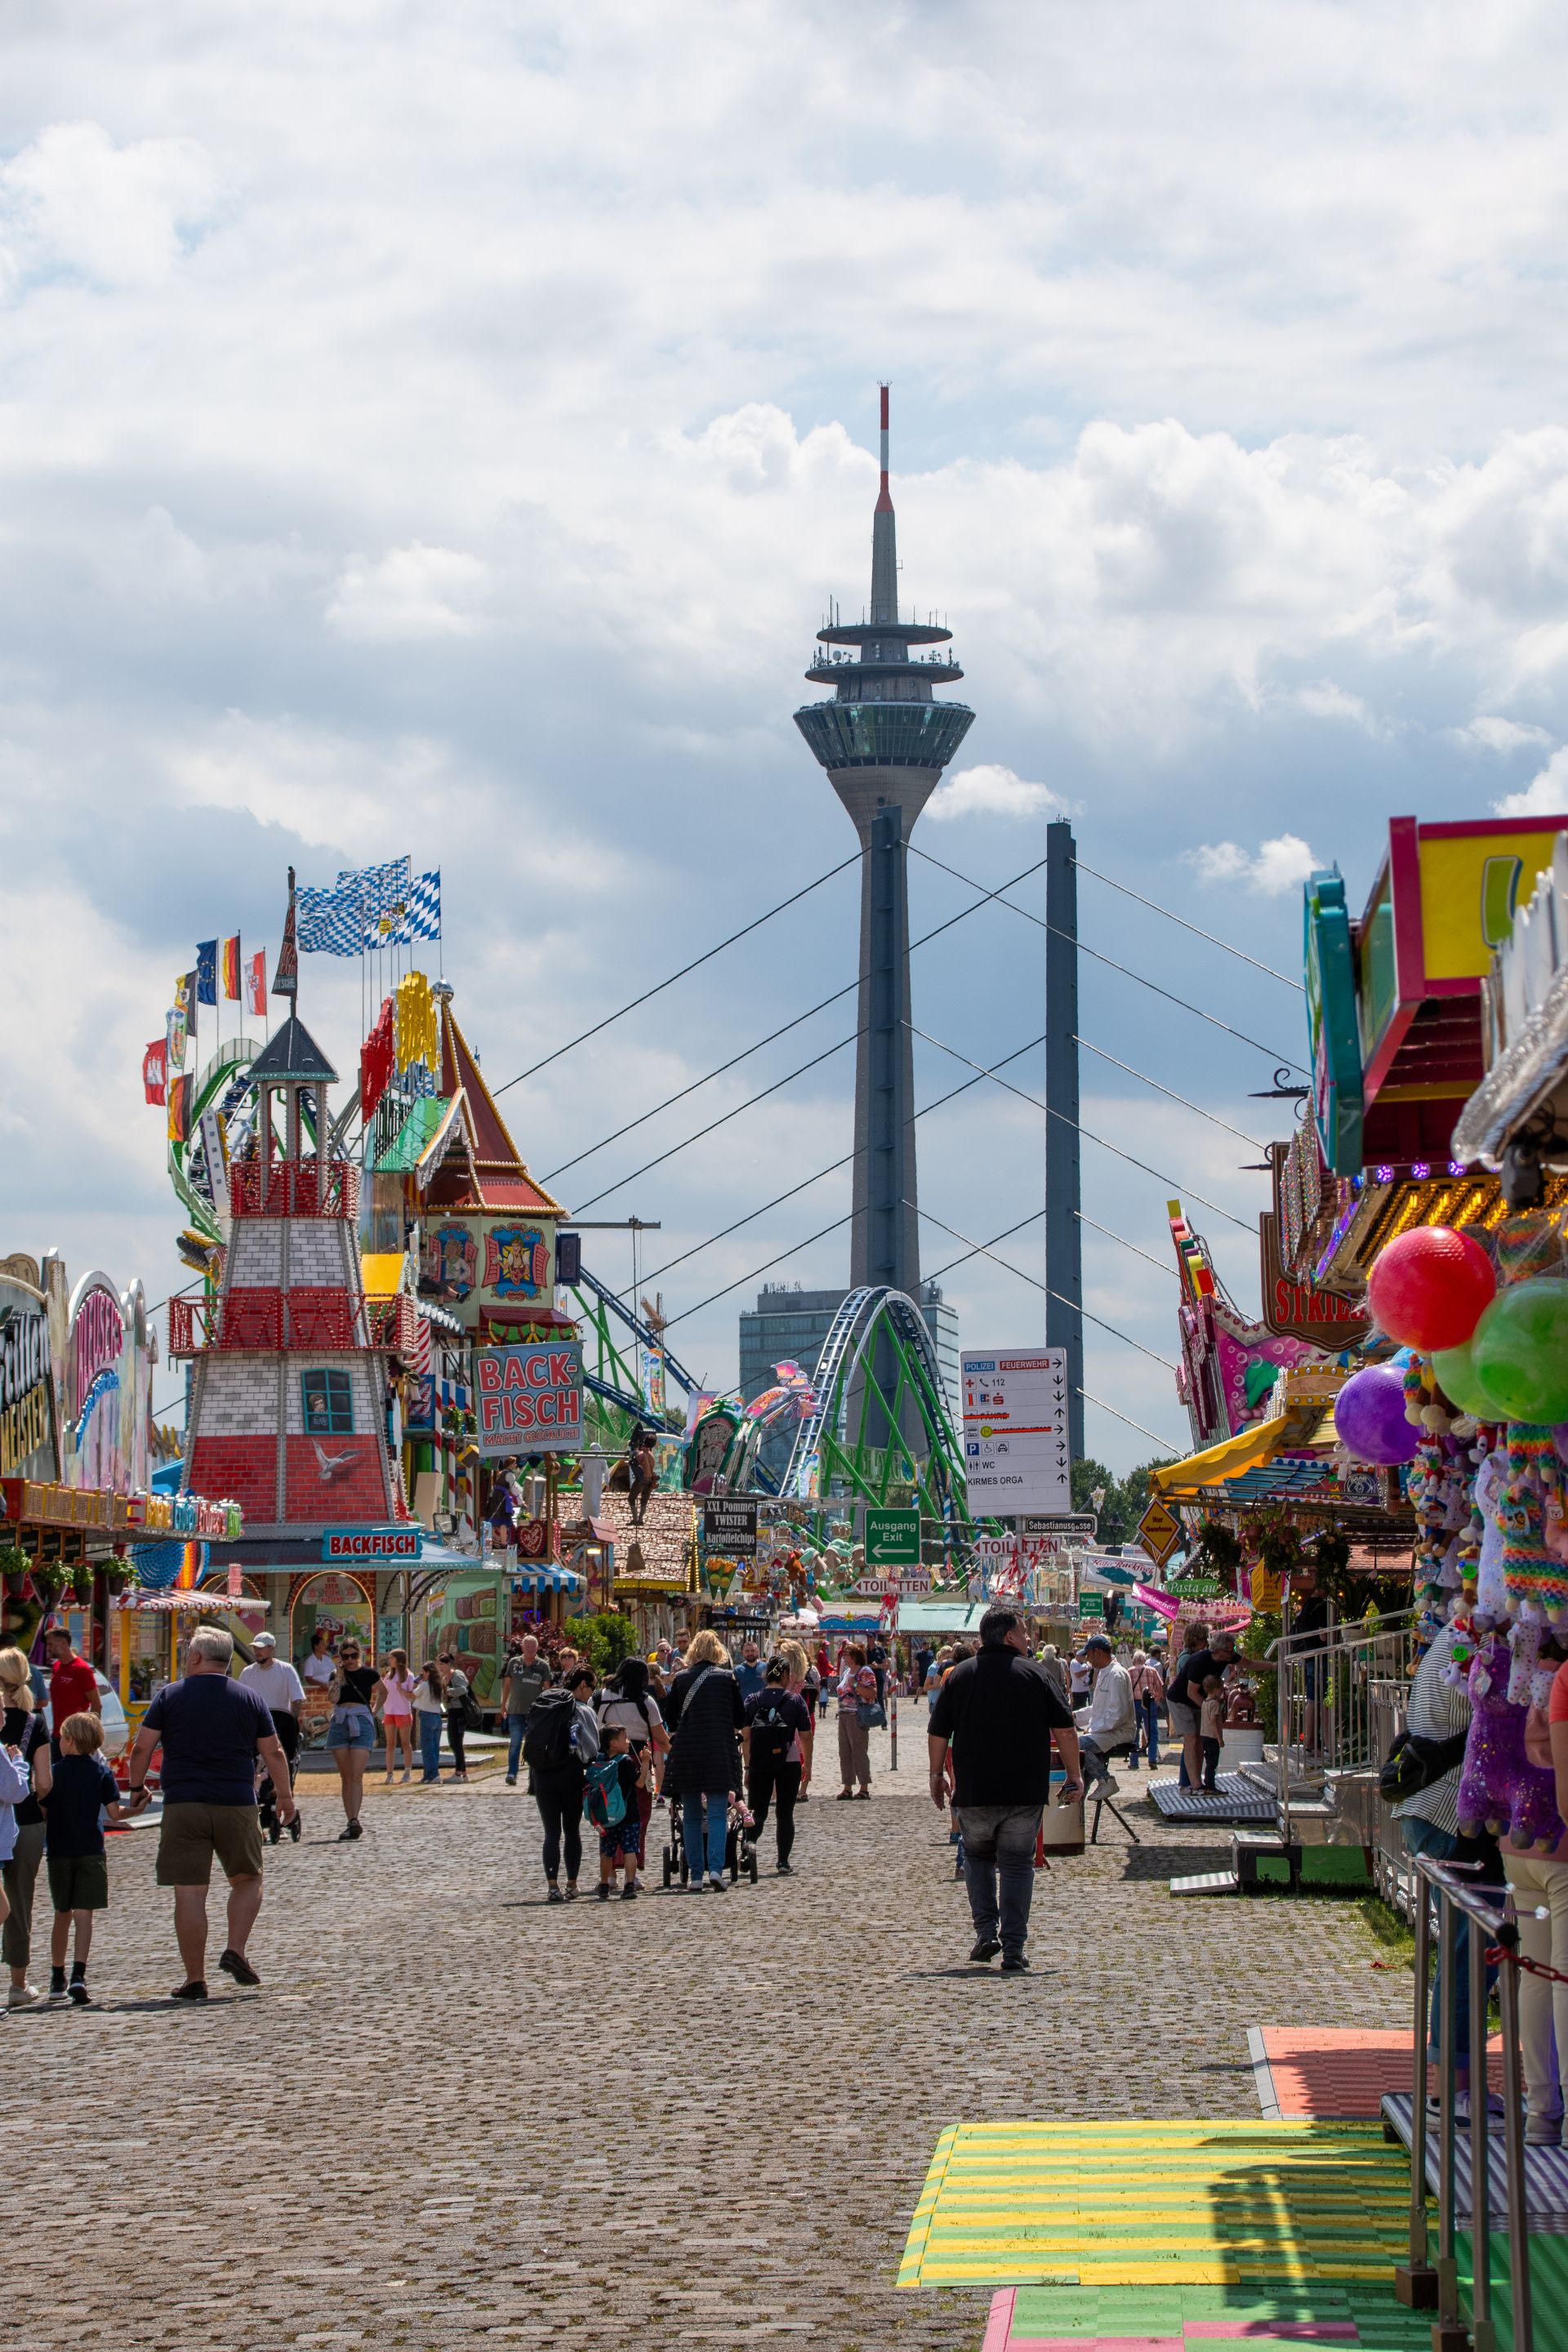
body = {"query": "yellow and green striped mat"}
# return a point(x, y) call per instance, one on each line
point(1158, 2203)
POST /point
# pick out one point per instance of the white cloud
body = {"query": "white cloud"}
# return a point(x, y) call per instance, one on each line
point(1275, 866)
point(413, 592)
point(1544, 795)
point(991, 790)
point(1489, 734)
point(74, 202)
point(1327, 700)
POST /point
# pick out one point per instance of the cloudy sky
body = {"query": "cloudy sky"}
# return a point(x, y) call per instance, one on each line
point(441, 429)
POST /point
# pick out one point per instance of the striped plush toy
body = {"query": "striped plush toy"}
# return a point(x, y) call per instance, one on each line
point(1535, 1578)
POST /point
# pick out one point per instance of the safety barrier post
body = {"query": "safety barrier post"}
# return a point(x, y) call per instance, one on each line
point(1482, 2334)
point(1416, 2281)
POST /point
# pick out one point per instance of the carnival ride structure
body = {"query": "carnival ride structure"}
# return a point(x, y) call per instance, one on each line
point(878, 1371)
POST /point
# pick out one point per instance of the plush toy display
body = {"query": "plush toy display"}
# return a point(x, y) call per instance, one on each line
point(1500, 1789)
point(1535, 1577)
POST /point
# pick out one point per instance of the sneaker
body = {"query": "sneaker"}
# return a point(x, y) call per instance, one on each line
point(717, 1887)
point(511, 1777)
point(79, 1992)
point(1462, 2108)
point(235, 1964)
point(1544, 2131)
point(407, 1775)
point(1106, 1786)
point(554, 1894)
point(56, 1984)
point(22, 1996)
point(786, 1870)
point(603, 1891)
point(629, 1891)
point(1014, 1964)
point(195, 1990)
point(985, 1948)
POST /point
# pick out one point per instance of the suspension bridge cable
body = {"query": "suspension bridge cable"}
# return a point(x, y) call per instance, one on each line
point(1174, 1451)
point(830, 1169)
point(773, 1036)
point(1051, 1112)
point(1114, 1411)
point(713, 1298)
point(1287, 1060)
point(1061, 1295)
point(1158, 1264)
point(1144, 1080)
point(648, 993)
point(723, 1118)
point(1154, 906)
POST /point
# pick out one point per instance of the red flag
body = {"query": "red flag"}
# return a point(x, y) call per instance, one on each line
point(256, 982)
point(154, 1071)
point(228, 964)
point(286, 970)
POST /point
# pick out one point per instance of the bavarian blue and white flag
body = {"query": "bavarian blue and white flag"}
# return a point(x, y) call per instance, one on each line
point(422, 913)
point(327, 922)
point(380, 894)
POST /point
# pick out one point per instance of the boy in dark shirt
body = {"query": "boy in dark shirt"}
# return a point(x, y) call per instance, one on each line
point(618, 1841)
point(80, 1786)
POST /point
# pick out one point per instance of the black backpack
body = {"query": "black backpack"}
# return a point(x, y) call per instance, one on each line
point(771, 1726)
point(547, 1742)
point(1415, 1763)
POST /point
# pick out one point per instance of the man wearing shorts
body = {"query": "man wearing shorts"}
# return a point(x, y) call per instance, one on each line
point(212, 1730)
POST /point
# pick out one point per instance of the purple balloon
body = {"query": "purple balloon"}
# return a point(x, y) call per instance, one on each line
point(1369, 1416)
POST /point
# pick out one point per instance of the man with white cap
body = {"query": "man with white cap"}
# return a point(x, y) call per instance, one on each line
point(280, 1691)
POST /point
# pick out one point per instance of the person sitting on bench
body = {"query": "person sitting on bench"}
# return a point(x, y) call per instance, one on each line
point(1112, 1719)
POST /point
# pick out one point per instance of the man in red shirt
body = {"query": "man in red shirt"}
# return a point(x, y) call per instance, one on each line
point(73, 1685)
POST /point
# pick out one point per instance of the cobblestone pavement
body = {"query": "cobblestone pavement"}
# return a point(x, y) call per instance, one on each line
point(455, 2116)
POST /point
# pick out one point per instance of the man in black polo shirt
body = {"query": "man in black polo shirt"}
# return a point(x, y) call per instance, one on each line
point(1212, 1654)
point(998, 1711)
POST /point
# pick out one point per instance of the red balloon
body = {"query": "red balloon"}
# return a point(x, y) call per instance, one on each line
point(1430, 1288)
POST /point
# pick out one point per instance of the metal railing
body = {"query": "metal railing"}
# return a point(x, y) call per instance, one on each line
point(1425, 2284)
point(294, 1188)
point(1330, 1688)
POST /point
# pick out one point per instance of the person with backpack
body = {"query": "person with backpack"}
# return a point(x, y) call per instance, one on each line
point(629, 1702)
point(560, 1742)
point(778, 1724)
point(459, 1712)
point(703, 1767)
point(611, 1788)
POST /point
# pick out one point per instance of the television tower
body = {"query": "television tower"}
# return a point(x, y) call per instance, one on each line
point(884, 743)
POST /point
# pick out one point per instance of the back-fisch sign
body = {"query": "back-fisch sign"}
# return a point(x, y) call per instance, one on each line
point(530, 1399)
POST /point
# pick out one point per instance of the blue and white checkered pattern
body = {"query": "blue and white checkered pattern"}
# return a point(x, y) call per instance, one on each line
point(422, 914)
point(327, 922)
point(380, 894)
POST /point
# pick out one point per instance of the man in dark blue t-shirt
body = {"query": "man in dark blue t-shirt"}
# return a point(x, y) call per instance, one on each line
point(212, 1730)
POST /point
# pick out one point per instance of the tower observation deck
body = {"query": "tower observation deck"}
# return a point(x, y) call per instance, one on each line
point(884, 741)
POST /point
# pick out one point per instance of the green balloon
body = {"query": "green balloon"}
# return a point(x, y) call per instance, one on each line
point(1453, 1369)
point(1520, 1350)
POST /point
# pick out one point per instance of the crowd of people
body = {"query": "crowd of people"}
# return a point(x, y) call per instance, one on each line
point(717, 1745)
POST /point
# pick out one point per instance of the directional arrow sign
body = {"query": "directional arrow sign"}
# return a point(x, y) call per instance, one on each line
point(892, 1539)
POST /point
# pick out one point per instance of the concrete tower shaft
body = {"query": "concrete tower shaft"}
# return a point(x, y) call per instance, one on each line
point(884, 741)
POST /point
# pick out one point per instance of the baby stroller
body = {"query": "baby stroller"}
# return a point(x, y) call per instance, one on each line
point(740, 1853)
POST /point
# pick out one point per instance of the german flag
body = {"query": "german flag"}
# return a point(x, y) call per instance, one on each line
point(180, 1108)
point(229, 965)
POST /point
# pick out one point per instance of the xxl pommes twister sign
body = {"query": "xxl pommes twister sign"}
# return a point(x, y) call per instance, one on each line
point(530, 1399)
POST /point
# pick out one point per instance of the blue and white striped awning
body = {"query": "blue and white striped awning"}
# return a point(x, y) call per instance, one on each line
point(545, 1576)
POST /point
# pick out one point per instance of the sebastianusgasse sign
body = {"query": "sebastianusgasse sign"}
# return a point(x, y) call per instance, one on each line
point(1015, 1451)
point(530, 1399)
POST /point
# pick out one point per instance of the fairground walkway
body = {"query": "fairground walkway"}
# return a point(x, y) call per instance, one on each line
point(796, 2113)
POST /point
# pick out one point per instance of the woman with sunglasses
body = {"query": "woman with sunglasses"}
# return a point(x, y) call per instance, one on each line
point(351, 1734)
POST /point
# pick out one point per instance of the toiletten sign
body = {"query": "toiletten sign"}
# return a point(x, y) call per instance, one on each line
point(530, 1399)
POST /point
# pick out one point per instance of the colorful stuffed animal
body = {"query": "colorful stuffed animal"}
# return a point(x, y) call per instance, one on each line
point(1500, 1789)
point(1535, 1579)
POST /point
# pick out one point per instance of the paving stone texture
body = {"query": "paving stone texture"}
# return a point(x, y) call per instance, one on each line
point(455, 2116)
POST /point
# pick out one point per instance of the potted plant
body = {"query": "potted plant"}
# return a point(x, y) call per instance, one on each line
point(15, 1565)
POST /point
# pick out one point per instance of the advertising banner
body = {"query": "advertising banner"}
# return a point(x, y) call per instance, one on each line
point(729, 1526)
point(1015, 1451)
point(529, 1399)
